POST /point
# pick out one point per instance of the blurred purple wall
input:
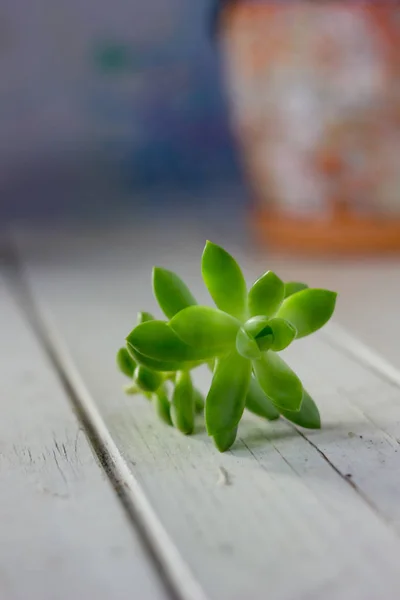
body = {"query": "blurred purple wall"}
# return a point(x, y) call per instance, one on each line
point(103, 101)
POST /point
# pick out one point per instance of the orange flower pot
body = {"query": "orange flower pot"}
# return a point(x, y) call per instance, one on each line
point(315, 106)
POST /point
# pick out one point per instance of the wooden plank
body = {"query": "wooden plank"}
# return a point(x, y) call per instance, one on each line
point(63, 532)
point(298, 515)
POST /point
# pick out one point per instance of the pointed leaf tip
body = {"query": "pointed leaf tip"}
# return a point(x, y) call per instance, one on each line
point(308, 416)
point(144, 316)
point(171, 293)
point(224, 280)
point(223, 440)
point(266, 295)
point(278, 381)
point(308, 310)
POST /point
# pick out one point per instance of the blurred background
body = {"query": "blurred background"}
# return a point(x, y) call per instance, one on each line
point(132, 131)
point(277, 122)
point(288, 112)
point(111, 106)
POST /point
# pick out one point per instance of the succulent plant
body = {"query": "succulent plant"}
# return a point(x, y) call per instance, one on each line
point(239, 340)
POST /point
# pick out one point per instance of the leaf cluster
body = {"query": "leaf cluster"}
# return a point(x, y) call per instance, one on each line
point(239, 339)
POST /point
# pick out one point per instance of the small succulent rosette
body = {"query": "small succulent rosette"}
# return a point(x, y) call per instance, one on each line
point(239, 340)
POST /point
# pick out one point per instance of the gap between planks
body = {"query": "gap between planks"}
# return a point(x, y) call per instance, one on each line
point(173, 570)
point(64, 533)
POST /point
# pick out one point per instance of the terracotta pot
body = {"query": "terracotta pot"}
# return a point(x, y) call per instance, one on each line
point(315, 106)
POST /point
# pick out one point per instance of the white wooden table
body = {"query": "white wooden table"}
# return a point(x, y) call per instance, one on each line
point(99, 499)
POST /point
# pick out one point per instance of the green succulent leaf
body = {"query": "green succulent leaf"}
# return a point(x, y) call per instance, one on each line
point(261, 331)
point(225, 439)
point(162, 406)
point(291, 287)
point(258, 326)
point(258, 403)
point(182, 404)
point(308, 415)
point(283, 332)
point(266, 295)
point(205, 327)
point(278, 381)
point(246, 345)
point(132, 389)
point(199, 401)
point(146, 379)
point(224, 280)
point(171, 293)
point(143, 317)
point(264, 342)
point(308, 310)
point(125, 362)
point(158, 340)
point(160, 365)
point(226, 398)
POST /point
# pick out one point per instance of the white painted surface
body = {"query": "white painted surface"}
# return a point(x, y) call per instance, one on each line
point(63, 533)
point(304, 516)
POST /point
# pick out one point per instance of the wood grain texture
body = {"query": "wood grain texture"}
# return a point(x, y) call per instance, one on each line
point(63, 532)
point(295, 515)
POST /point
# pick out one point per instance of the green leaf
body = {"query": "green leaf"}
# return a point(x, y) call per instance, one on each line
point(266, 295)
point(264, 342)
point(131, 389)
point(125, 362)
point(160, 365)
point(283, 332)
point(171, 293)
point(246, 345)
point(143, 317)
point(205, 327)
point(258, 403)
point(224, 280)
point(261, 331)
point(291, 287)
point(227, 395)
point(198, 400)
point(278, 381)
point(308, 310)
point(182, 404)
point(159, 341)
point(225, 439)
point(258, 326)
point(308, 415)
point(162, 406)
point(146, 379)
